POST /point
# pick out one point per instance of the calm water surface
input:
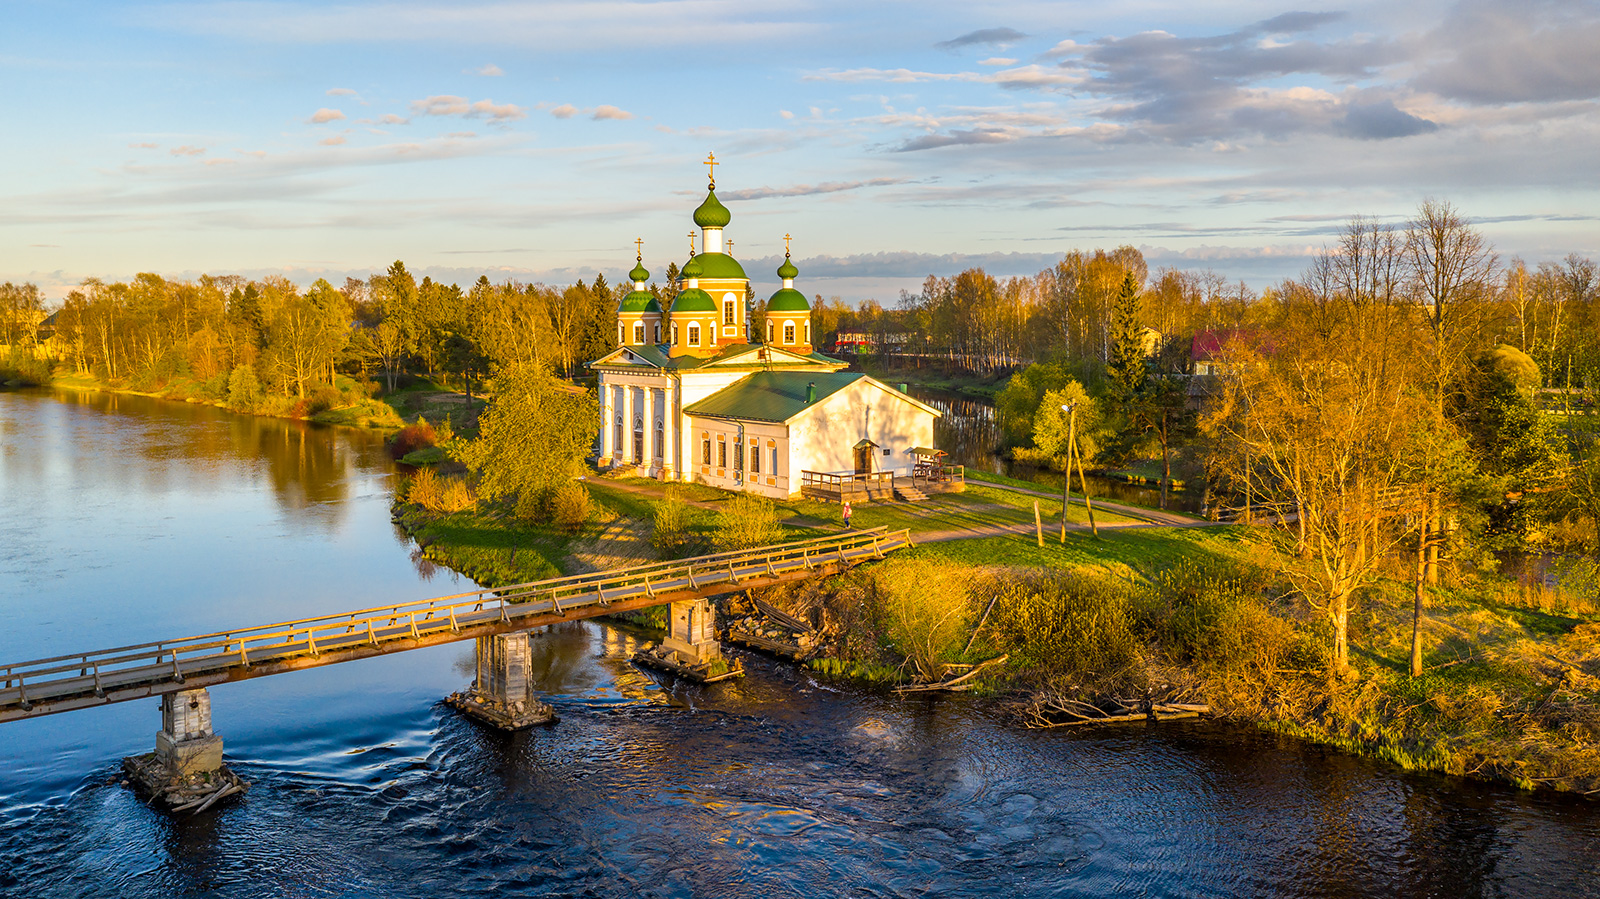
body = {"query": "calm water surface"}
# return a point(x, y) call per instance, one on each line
point(124, 519)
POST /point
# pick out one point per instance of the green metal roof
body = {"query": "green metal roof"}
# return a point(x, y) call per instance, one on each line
point(787, 299)
point(691, 269)
point(639, 273)
point(712, 214)
point(734, 357)
point(720, 265)
point(694, 300)
point(639, 301)
point(772, 395)
point(787, 269)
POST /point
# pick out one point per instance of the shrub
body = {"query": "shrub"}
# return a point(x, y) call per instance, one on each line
point(746, 521)
point(670, 534)
point(922, 608)
point(324, 398)
point(1214, 616)
point(1063, 624)
point(412, 437)
point(244, 391)
point(570, 507)
point(437, 493)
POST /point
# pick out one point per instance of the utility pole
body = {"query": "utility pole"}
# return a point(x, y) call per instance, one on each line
point(1066, 474)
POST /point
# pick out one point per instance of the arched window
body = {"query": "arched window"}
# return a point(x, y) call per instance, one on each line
point(694, 335)
point(769, 331)
point(675, 335)
point(658, 333)
point(705, 451)
point(616, 440)
point(661, 443)
point(808, 332)
point(621, 335)
point(788, 332)
point(727, 311)
point(638, 333)
point(638, 440)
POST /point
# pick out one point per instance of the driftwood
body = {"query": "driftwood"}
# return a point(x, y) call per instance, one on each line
point(982, 619)
point(1045, 714)
point(783, 618)
point(956, 683)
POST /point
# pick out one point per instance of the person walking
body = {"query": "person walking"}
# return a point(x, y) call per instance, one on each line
point(846, 511)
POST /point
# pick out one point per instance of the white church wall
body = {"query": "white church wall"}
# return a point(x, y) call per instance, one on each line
point(722, 471)
point(824, 439)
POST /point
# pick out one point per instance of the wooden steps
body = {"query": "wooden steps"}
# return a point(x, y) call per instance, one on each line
point(908, 494)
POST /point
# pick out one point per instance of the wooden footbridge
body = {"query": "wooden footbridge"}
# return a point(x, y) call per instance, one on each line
point(82, 680)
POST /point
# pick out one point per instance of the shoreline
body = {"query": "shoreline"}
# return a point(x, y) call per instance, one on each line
point(1350, 715)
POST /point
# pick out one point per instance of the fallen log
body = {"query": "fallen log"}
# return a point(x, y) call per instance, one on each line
point(957, 683)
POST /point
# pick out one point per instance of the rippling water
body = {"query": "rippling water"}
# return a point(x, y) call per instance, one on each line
point(128, 519)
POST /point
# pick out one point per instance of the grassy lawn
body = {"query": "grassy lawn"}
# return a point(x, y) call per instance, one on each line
point(1001, 480)
point(1135, 553)
point(490, 548)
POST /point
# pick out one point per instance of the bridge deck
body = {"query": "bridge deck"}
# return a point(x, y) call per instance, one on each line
point(80, 680)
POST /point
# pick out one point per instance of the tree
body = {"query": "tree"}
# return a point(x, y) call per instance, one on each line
point(1126, 369)
point(532, 439)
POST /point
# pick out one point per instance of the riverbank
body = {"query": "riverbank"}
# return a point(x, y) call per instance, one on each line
point(1142, 613)
point(930, 377)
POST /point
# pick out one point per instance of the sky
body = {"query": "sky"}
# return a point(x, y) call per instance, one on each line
point(535, 141)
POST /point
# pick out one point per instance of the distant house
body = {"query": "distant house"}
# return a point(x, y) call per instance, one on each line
point(1208, 349)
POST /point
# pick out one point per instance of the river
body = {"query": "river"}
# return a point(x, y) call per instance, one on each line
point(124, 519)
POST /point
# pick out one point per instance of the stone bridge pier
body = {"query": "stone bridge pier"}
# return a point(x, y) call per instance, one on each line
point(185, 772)
point(502, 694)
point(692, 632)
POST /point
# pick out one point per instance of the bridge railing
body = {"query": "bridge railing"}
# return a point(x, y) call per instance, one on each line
point(105, 670)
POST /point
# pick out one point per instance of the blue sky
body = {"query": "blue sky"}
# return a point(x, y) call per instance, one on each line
point(893, 139)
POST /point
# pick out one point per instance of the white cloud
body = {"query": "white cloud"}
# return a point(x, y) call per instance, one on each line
point(333, 141)
point(187, 151)
point(325, 115)
point(392, 119)
point(449, 104)
point(564, 111)
point(611, 112)
point(490, 71)
point(143, 146)
point(341, 92)
point(786, 113)
point(997, 61)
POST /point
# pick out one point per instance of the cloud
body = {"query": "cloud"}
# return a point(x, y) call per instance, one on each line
point(187, 151)
point(144, 146)
point(1381, 120)
point(462, 134)
point(611, 112)
point(325, 115)
point(490, 71)
point(786, 113)
point(806, 190)
point(564, 111)
point(956, 138)
point(333, 141)
point(392, 119)
point(997, 61)
point(451, 105)
point(1530, 52)
point(985, 36)
point(341, 92)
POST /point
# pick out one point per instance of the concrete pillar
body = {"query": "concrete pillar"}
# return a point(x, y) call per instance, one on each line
point(503, 694)
point(607, 422)
point(647, 433)
point(692, 631)
point(185, 744)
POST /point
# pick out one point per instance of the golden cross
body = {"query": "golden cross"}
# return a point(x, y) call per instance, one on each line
point(730, 248)
point(711, 167)
point(786, 240)
point(638, 243)
point(691, 243)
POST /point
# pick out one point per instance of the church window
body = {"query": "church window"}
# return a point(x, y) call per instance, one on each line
point(727, 312)
point(694, 335)
point(616, 440)
point(738, 457)
point(674, 335)
point(638, 441)
point(722, 453)
point(769, 332)
point(638, 333)
point(658, 333)
point(705, 451)
point(774, 460)
point(788, 332)
point(660, 445)
point(621, 339)
point(755, 458)
point(808, 332)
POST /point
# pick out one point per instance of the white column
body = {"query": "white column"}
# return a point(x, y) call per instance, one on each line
point(647, 458)
point(627, 424)
point(669, 432)
point(607, 416)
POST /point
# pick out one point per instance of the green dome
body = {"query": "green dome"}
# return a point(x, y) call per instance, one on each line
point(712, 214)
point(639, 273)
point(691, 269)
point(787, 269)
point(693, 300)
point(787, 299)
point(639, 301)
point(720, 265)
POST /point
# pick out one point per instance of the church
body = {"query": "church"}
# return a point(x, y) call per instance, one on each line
point(690, 394)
